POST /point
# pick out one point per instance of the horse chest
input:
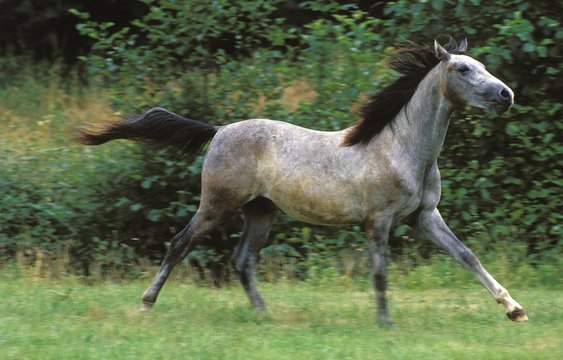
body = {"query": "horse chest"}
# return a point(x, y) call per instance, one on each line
point(408, 206)
point(399, 195)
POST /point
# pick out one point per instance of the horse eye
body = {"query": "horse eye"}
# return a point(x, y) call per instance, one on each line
point(463, 69)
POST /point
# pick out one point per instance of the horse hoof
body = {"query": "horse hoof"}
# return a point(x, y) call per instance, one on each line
point(146, 306)
point(517, 315)
point(385, 324)
point(262, 311)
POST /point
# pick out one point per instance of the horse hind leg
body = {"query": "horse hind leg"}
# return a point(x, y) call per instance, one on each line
point(259, 216)
point(181, 245)
point(378, 235)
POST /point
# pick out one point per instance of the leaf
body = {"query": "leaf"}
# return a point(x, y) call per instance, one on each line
point(512, 128)
point(122, 201)
point(136, 207)
point(529, 47)
point(146, 184)
point(154, 215)
point(485, 194)
point(548, 137)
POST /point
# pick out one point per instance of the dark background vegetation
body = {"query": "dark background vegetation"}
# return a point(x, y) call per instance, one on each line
point(304, 62)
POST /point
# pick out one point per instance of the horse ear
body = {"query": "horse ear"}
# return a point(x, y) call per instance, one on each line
point(463, 46)
point(441, 53)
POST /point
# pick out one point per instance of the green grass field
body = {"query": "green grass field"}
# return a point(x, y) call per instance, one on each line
point(69, 319)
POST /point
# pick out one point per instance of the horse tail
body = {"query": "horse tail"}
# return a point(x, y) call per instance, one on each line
point(157, 126)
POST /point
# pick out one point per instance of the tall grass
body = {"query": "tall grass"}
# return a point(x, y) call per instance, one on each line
point(48, 185)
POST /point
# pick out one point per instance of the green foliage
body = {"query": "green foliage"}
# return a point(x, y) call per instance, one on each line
point(66, 206)
point(340, 60)
point(168, 56)
point(222, 62)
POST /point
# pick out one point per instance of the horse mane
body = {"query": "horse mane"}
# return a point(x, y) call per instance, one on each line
point(412, 61)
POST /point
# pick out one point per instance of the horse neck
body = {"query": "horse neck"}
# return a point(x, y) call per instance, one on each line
point(420, 128)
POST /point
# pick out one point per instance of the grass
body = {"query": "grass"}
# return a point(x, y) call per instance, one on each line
point(69, 319)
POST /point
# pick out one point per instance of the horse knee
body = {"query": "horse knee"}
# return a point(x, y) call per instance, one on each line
point(237, 263)
point(244, 264)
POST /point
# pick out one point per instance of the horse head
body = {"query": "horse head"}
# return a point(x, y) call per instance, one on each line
point(465, 81)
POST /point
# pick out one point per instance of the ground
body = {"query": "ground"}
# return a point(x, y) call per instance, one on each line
point(70, 319)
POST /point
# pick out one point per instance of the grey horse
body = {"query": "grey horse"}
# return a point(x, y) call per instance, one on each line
point(377, 172)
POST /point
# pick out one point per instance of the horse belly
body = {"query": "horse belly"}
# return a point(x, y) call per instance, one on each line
point(320, 207)
point(312, 216)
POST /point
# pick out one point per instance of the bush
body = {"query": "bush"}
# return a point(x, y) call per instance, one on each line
point(501, 176)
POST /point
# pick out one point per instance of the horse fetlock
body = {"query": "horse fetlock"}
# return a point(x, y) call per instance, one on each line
point(509, 303)
point(147, 300)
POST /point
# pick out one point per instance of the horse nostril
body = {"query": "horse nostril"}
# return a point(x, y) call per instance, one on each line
point(505, 94)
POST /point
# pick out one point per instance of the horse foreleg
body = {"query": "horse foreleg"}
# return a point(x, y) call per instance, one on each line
point(433, 226)
point(378, 235)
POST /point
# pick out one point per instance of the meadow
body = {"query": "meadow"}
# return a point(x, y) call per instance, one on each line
point(74, 318)
point(83, 229)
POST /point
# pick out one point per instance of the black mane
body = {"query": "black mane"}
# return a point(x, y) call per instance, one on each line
point(412, 61)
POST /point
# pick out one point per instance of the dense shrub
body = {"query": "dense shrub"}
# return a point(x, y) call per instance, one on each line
point(501, 175)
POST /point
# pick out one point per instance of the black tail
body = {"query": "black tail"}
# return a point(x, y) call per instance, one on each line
point(157, 126)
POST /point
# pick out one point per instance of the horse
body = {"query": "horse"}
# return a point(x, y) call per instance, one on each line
point(377, 172)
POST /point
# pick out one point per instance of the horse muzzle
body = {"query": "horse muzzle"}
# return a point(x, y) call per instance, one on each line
point(502, 99)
